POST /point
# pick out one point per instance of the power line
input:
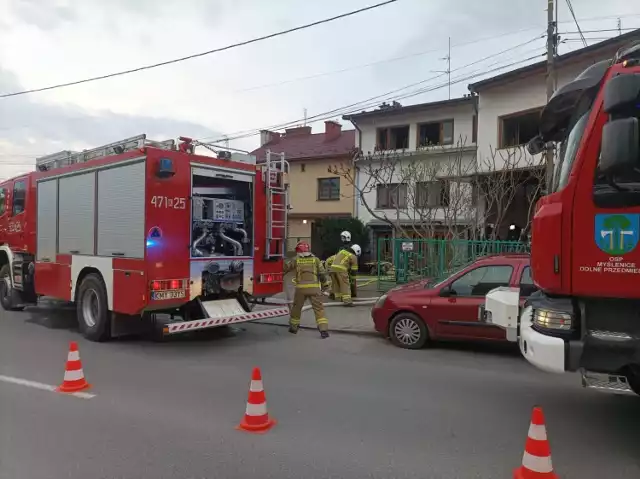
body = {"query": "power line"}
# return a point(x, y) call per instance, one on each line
point(573, 14)
point(201, 54)
point(381, 62)
point(363, 104)
point(602, 30)
point(240, 134)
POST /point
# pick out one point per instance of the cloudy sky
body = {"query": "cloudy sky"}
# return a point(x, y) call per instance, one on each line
point(321, 69)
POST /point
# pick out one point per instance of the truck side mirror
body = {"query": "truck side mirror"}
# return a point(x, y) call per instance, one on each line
point(536, 145)
point(622, 95)
point(620, 151)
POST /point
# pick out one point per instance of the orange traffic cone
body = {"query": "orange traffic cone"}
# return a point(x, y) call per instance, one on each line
point(536, 461)
point(74, 380)
point(256, 419)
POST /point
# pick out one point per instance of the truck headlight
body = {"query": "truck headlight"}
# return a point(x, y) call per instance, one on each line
point(380, 301)
point(549, 319)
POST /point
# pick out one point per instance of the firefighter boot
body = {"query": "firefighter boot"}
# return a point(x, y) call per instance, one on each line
point(293, 329)
point(324, 334)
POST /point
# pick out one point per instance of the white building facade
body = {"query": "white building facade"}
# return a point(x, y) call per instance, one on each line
point(509, 107)
point(411, 162)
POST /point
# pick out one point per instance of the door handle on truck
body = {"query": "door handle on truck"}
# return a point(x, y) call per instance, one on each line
point(117, 253)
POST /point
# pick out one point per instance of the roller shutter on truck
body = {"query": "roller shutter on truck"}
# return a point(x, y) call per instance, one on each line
point(121, 201)
point(47, 226)
point(67, 213)
point(76, 210)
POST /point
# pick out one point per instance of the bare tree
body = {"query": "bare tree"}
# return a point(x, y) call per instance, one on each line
point(445, 192)
point(418, 194)
point(504, 176)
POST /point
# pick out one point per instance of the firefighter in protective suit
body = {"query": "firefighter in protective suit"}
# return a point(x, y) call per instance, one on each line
point(309, 280)
point(343, 268)
point(345, 237)
point(334, 288)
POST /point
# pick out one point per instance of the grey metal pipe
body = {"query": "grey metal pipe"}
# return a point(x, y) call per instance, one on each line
point(237, 247)
point(195, 250)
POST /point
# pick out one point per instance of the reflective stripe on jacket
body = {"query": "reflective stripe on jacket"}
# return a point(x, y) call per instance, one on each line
point(344, 261)
point(309, 272)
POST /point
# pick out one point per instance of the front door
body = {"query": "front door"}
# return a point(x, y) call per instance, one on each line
point(457, 311)
point(14, 221)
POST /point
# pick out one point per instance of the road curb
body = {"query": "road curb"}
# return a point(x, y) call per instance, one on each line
point(341, 331)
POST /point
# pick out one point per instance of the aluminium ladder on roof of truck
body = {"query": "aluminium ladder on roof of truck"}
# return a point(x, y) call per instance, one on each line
point(66, 157)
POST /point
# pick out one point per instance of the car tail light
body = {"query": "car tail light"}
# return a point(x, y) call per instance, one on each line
point(174, 284)
point(271, 278)
point(156, 285)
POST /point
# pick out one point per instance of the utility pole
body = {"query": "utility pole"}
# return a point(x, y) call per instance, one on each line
point(449, 67)
point(551, 46)
point(619, 26)
point(305, 117)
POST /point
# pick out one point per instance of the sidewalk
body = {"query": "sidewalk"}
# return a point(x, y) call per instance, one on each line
point(356, 320)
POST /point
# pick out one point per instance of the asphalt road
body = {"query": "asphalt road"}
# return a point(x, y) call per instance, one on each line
point(347, 407)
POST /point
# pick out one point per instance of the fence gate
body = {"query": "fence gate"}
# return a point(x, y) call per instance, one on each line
point(408, 259)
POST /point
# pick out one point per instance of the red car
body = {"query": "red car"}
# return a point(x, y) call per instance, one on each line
point(423, 310)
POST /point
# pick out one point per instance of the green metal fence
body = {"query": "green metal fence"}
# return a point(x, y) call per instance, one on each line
point(402, 260)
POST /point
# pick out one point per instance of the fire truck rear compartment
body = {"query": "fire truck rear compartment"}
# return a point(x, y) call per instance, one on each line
point(222, 215)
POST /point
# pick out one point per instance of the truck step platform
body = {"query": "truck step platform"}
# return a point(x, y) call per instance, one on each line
point(222, 313)
point(612, 383)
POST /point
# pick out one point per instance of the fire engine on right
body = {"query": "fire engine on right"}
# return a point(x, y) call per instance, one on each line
point(585, 255)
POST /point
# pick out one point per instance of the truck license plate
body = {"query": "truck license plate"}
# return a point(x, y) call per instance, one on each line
point(163, 295)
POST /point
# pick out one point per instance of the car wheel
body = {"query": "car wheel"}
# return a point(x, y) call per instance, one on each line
point(408, 331)
point(92, 310)
point(7, 294)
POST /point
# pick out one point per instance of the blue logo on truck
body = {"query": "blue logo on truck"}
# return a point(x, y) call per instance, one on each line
point(617, 234)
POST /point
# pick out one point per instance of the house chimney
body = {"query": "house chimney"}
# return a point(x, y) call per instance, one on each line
point(267, 136)
point(332, 130)
point(298, 130)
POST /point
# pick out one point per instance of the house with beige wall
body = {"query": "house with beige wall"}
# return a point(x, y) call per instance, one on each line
point(314, 192)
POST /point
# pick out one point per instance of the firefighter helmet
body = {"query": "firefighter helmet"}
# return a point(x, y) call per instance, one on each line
point(345, 236)
point(356, 249)
point(303, 247)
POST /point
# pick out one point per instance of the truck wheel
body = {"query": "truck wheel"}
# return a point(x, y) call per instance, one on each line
point(93, 313)
point(408, 331)
point(7, 294)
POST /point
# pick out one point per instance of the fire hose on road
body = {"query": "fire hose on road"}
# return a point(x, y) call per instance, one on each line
point(288, 301)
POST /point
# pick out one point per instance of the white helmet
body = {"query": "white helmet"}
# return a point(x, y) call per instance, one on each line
point(356, 249)
point(345, 236)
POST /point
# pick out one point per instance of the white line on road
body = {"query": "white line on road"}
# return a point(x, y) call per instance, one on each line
point(44, 387)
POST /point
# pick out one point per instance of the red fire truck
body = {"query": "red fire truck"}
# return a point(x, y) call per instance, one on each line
point(585, 255)
point(138, 227)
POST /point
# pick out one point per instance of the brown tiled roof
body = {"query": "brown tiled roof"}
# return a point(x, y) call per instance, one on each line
point(309, 146)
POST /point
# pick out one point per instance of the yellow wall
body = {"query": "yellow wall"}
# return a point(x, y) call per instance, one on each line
point(298, 229)
point(303, 187)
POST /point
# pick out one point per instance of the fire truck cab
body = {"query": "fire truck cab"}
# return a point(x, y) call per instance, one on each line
point(138, 227)
point(585, 253)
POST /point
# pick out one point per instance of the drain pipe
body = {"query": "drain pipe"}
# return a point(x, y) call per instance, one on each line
point(356, 196)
